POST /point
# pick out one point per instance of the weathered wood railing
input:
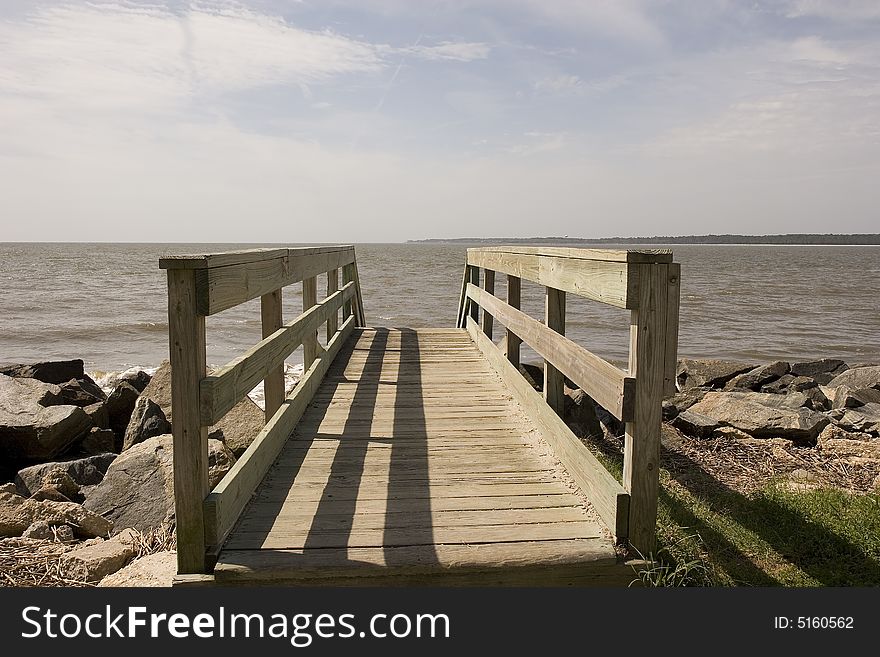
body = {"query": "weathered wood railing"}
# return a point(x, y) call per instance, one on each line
point(644, 282)
point(204, 285)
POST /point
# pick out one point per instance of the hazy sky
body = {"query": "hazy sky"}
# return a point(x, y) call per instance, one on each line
point(386, 120)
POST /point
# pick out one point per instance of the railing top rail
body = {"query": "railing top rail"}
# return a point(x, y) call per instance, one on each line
point(641, 256)
point(245, 256)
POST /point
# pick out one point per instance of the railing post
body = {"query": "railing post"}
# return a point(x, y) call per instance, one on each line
point(489, 286)
point(310, 343)
point(273, 384)
point(186, 336)
point(554, 382)
point(641, 464)
point(474, 279)
point(332, 288)
point(512, 341)
point(347, 277)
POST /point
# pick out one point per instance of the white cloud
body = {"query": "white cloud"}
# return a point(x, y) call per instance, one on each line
point(450, 51)
point(560, 84)
point(837, 10)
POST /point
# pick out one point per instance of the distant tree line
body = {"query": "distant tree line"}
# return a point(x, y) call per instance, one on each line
point(793, 238)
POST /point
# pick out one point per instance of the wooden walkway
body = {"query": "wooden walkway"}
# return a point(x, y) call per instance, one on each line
point(413, 464)
point(418, 456)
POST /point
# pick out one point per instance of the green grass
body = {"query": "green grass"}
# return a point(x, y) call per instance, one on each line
point(711, 535)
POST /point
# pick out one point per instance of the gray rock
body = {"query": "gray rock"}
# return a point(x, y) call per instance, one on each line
point(50, 493)
point(18, 513)
point(98, 414)
point(803, 383)
point(822, 371)
point(682, 401)
point(239, 426)
point(31, 391)
point(138, 489)
point(694, 424)
point(98, 441)
point(533, 374)
point(95, 560)
point(153, 570)
point(159, 389)
point(755, 378)
point(858, 378)
point(763, 415)
point(63, 533)
point(580, 414)
point(865, 418)
point(712, 373)
point(120, 405)
point(83, 471)
point(47, 372)
point(834, 432)
point(9, 488)
point(147, 421)
point(39, 531)
point(818, 400)
point(82, 392)
point(846, 397)
point(780, 386)
point(138, 380)
point(32, 432)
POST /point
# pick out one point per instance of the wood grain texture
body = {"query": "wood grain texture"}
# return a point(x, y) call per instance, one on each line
point(614, 283)
point(311, 346)
point(610, 255)
point(641, 462)
point(240, 257)
point(229, 384)
point(411, 468)
point(489, 286)
point(673, 294)
point(332, 288)
point(608, 385)
point(186, 330)
point(554, 319)
point(273, 383)
point(226, 502)
point(511, 340)
point(604, 491)
point(220, 288)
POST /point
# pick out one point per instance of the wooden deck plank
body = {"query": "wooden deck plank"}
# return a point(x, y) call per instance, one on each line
point(414, 461)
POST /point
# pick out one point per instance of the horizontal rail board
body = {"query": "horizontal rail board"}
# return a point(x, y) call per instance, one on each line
point(604, 491)
point(227, 386)
point(227, 258)
point(614, 283)
point(646, 256)
point(221, 288)
point(229, 498)
point(604, 382)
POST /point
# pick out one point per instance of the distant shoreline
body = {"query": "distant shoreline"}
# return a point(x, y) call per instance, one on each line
point(855, 239)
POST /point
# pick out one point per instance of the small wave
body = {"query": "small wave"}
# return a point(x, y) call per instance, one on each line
point(292, 375)
point(107, 381)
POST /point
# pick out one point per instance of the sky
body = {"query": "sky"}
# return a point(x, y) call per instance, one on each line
point(386, 120)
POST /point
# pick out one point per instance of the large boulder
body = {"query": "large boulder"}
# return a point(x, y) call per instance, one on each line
point(580, 414)
point(96, 559)
point(18, 513)
point(32, 432)
point(755, 378)
point(712, 373)
point(98, 415)
point(154, 570)
point(237, 429)
point(138, 489)
point(30, 391)
point(694, 424)
point(84, 472)
point(239, 426)
point(865, 418)
point(846, 397)
point(146, 421)
point(857, 378)
point(120, 406)
point(82, 392)
point(98, 441)
point(534, 374)
point(763, 415)
point(47, 372)
point(681, 401)
point(822, 371)
point(138, 379)
point(159, 388)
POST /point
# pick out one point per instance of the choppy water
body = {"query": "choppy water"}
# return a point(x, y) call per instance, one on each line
point(106, 303)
